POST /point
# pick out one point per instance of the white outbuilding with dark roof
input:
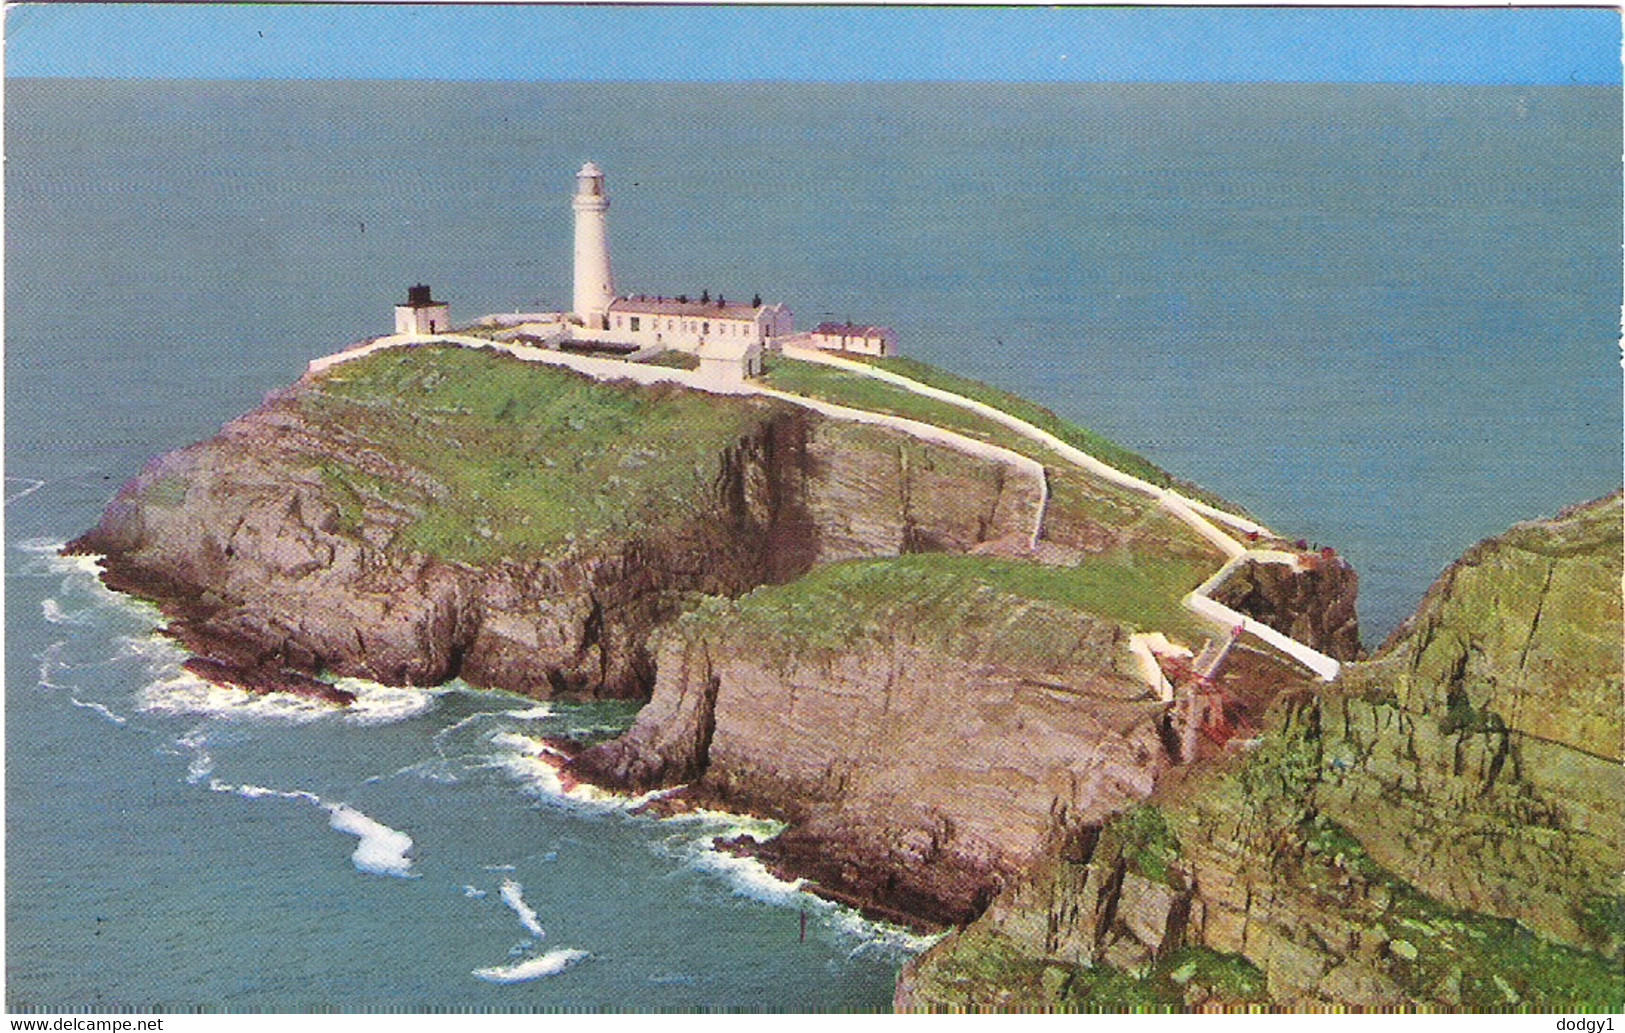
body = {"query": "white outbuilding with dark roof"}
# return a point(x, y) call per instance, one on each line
point(422, 314)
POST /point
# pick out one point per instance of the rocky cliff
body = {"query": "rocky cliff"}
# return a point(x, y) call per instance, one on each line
point(835, 623)
point(919, 759)
point(437, 512)
point(1440, 828)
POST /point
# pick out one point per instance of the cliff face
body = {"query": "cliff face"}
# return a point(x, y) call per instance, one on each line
point(919, 766)
point(339, 529)
point(1479, 755)
point(838, 624)
point(922, 730)
point(1375, 846)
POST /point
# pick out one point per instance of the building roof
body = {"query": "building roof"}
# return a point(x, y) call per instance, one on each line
point(851, 330)
point(734, 348)
point(419, 296)
point(643, 305)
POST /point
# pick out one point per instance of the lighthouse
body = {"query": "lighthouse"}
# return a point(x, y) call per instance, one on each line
point(594, 285)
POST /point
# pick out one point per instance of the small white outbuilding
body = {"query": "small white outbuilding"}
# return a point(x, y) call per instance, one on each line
point(727, 362)
point(422, 314)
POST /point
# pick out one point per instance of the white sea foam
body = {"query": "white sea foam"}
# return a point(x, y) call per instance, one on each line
point(497, 867)
point(693, 842)
point(179, 691)
point(513, 895)
point(201, 765)
point(549, 964)
point(377, 704)
point(535, 765)
point(876, 939)
point(749, 877)
point(117, 719)
point(253, 792)
point(473, 891)
point(50, 663)
point(460, 723)
point(535, 713)
point(55, 614)
point(382, 850)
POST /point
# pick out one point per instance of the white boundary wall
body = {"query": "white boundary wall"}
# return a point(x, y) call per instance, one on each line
point(1191, 511)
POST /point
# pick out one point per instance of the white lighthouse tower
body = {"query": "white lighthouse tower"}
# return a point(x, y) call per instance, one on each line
point(594, 286)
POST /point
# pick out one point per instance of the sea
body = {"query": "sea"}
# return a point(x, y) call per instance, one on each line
point(1381, 318)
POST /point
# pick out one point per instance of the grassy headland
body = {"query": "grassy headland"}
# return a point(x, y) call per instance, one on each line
point(512, 457)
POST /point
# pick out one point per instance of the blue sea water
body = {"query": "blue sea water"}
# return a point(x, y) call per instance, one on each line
point(1380, 317)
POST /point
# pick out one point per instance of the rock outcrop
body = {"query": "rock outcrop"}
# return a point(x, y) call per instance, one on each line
point(1439, 828)
point(1314, 605)
point(922, 733)
point(918, 770)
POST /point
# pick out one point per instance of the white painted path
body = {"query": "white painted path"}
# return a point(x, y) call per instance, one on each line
point(1192, 512)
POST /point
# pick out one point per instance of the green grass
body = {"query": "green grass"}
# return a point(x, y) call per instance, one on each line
point(1229, 979)
point(940, 599)
point(517, 458)
point(1495, 963)
point(1148, 844)
point(860, 392)
point(983, 970)
point(1102, 448)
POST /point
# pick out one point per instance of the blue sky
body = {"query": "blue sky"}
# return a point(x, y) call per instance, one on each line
point(815, 43)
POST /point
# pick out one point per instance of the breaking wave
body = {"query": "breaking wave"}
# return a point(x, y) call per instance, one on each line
point(382, 850)
point(535, 713)
point(33, 485)
point(55, 614)
point(175, 690)
point(538, 768)
point(549, 964)
point(377, 704)
point(513, 895)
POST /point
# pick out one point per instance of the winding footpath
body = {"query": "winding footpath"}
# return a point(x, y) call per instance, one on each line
point(1199, 516)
